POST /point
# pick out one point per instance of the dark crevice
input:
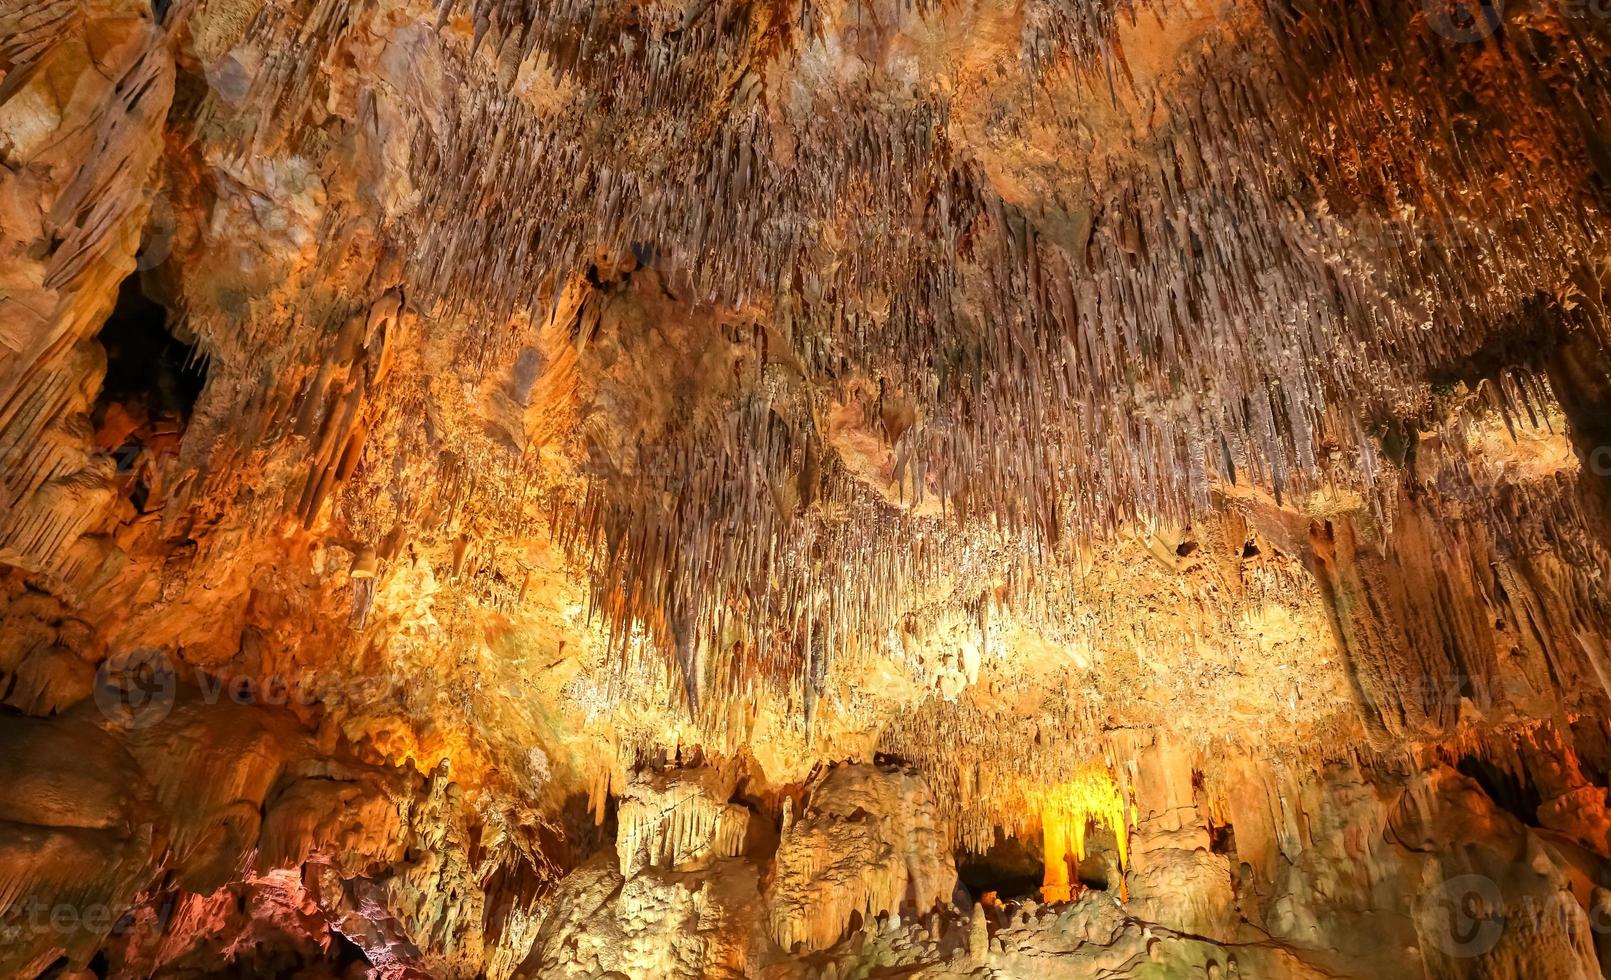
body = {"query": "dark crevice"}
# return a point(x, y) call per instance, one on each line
point(1515, 794)
point(344, 952)
point(1094, 872)
point(1011, 868)
point(152, 383)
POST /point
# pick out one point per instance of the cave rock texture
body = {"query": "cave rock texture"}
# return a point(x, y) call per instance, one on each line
point(805, 489)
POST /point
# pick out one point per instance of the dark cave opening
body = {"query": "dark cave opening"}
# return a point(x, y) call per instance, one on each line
point(1513, 793)
point(345, 953)
point(145, 362)
point(153, 380)
point(1012, 868)
point(1094, 871)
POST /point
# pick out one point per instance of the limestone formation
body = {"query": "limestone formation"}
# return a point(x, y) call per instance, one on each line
point(677, 820)
point(805, 488)
point(869, 844)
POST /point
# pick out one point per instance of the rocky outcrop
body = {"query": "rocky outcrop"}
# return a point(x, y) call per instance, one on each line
point(683, 925)
point(1351, 871)
point(869, 842)
point(1176, 877)
point(81, 835)
point(678, 819)
point(147, 843)
point(86, 90)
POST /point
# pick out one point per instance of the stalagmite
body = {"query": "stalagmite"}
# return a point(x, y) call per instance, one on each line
point(869, 843)
point(978, 936)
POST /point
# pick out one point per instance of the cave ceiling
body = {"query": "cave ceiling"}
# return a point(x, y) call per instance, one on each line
point(541, 410)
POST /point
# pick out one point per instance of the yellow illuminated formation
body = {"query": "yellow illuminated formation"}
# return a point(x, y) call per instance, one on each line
point(1066, 810)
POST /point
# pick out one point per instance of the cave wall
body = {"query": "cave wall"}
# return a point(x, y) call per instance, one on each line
point(867, 431)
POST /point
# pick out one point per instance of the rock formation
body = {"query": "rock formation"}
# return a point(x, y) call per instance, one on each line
point(869, 845)
point(805, 488)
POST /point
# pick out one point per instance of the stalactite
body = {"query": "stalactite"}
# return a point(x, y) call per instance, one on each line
point(1210, 315)
point(679, 819)
point(1066, 810)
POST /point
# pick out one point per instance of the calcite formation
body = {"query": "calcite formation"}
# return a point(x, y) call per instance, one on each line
point(805, 488)
point(1067, 811)
point(679, 820)
point(867, 845)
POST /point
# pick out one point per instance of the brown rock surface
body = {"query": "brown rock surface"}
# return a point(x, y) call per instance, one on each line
point(773, 488)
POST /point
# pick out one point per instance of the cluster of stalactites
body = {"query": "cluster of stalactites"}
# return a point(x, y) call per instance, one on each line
point(677, 820)
point(1235, 304)
point(1067, 810)
point(1010, 767)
